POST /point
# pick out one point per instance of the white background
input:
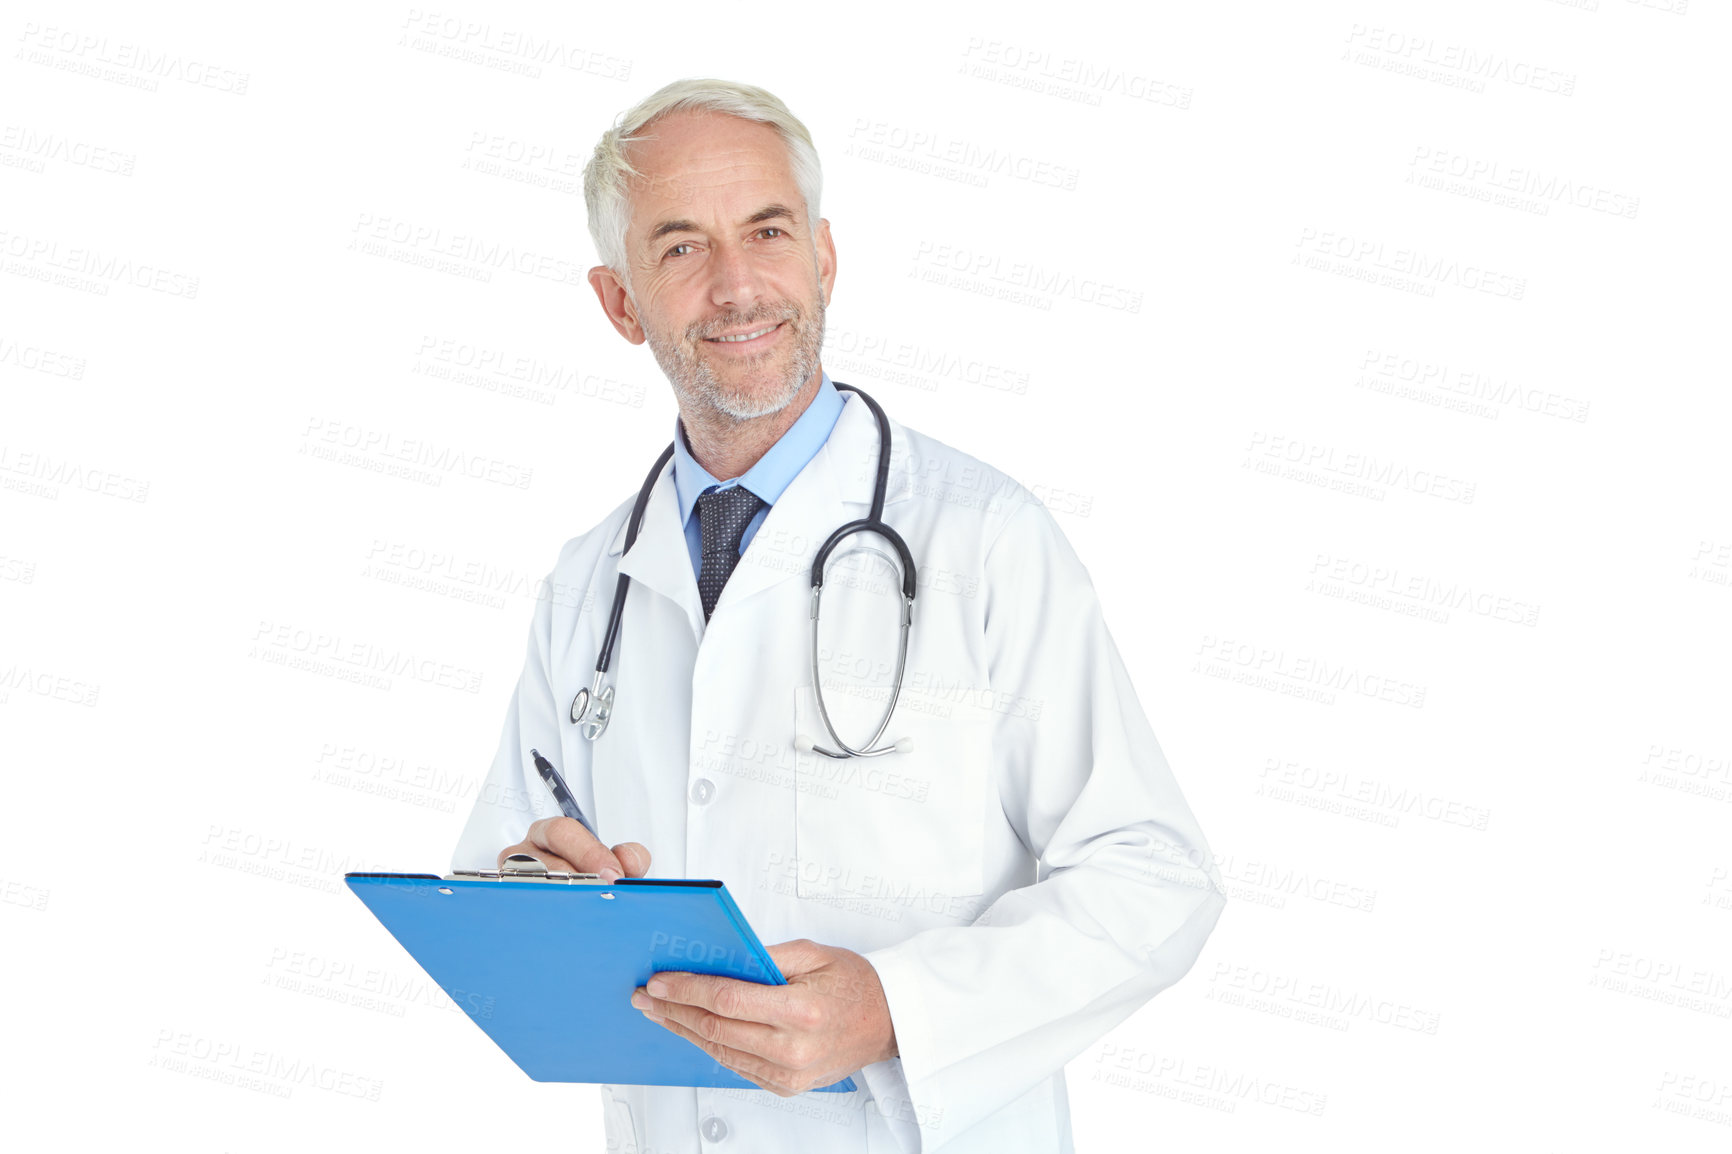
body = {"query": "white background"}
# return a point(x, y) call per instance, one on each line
point(1366, 360)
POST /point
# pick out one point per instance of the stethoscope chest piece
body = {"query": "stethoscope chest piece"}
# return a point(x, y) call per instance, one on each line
point(592, 709)
point(600, 713)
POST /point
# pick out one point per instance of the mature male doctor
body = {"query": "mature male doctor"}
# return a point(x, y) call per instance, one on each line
point(960, 916)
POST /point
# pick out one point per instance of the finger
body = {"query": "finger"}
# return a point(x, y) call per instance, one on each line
point(566, 837)
point(633, 857)
point(753, 1038)
point(754, 1069)
point(551, 860)
point(740, 1001)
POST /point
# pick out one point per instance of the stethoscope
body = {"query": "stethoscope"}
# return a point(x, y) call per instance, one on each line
point(592, 708)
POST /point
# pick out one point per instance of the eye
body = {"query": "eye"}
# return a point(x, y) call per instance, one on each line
point(675, 250)
point(772, 229)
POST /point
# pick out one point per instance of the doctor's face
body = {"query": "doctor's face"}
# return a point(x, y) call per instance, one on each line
point(727, 283)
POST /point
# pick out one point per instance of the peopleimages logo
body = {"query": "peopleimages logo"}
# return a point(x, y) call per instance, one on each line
point(348, 443)
point(1018, 281)
point(1374, 260)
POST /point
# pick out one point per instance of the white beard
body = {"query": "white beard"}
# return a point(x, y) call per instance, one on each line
point(695, 381)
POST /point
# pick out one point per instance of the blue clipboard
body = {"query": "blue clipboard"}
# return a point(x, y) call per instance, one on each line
point(546, 963)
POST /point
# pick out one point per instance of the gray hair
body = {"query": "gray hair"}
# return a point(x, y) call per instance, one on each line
point(606, 176)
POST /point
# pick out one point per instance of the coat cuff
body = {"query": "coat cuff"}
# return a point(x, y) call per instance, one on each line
point(916, 1121)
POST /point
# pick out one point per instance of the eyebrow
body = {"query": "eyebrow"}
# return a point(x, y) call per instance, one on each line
point(768, 212)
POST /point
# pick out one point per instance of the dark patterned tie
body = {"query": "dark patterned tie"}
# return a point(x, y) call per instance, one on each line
point(724, 515)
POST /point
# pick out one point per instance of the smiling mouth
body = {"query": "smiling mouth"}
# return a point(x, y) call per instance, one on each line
point(751, 336)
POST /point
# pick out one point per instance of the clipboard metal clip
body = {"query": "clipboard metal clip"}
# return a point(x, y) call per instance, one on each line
point(522, 867)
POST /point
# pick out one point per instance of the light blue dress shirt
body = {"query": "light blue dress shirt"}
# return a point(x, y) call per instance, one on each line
point(768, 478)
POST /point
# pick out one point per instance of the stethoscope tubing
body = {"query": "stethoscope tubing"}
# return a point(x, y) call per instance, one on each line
point(596, 703)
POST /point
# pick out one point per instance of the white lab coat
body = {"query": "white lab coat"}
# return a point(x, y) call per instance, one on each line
point(1022, 880)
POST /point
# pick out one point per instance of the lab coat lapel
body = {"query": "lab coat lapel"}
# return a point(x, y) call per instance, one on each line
point(833, 488)
point(659, 559)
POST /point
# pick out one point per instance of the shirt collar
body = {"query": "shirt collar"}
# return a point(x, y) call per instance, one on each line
point(777, 468)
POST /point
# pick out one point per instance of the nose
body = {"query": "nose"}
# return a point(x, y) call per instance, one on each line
point(734, 282)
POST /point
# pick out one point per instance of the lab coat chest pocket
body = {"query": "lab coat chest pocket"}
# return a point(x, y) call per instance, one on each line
point(904, 830)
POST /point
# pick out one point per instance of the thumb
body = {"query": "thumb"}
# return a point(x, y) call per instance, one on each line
point(800, 956)
point(633, 858)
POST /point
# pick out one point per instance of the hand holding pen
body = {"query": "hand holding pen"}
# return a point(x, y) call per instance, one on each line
point(570, 842)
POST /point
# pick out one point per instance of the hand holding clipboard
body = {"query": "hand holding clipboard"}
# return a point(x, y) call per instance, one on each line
point(807, 1034)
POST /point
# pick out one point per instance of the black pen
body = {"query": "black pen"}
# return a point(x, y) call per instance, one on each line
point(567, 804)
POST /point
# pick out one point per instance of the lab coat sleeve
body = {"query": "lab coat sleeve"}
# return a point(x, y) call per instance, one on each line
point(513, 796)
point(1126, 891)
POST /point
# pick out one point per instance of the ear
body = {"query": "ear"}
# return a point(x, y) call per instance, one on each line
point(610, 291)
point(826, 261)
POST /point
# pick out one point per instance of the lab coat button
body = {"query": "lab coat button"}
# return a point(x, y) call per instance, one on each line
point(714, 1128)
point(702, 791)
